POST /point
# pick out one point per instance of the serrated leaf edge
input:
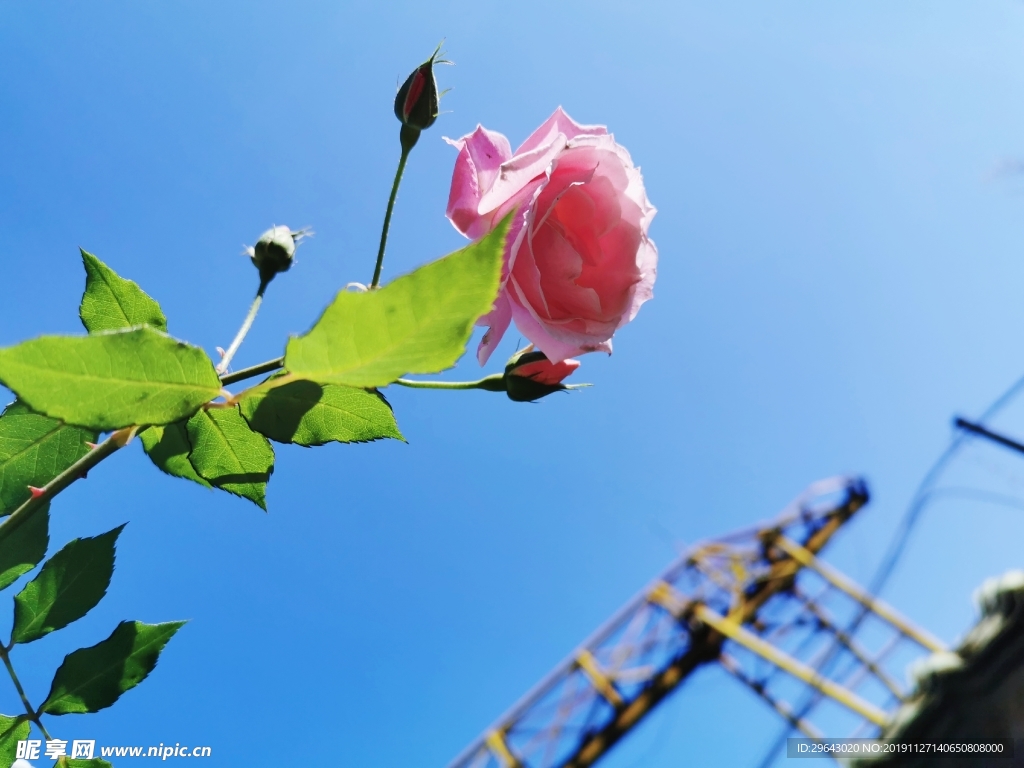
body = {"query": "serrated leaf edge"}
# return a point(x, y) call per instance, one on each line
point(176, 626)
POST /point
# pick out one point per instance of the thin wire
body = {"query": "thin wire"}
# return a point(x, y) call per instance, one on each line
point(897, 544)
point(921, 495)
point(986, 497)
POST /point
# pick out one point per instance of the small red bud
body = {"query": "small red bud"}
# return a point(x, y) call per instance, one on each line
point(36, 492)
point(416, 104)
point(529, 375)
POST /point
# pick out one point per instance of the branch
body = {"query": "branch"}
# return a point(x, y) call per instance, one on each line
point(42, 496)
point(255, 370)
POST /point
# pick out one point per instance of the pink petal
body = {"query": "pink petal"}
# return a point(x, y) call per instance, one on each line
point(559, 122)
point(647, 261)
point(464, 197)
point(635, 184)
point(497, 320)
point(557, 294)
point(546, 372)
point(554, 349)
point(561, 178)
point(515, 175)
point(481, 154)
point(523, 271)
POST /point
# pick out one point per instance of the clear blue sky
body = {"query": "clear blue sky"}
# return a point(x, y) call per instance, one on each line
point(840, 273)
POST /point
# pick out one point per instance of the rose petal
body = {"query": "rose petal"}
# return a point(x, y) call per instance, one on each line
point(559, 122)
point(515, 175)
point(497, 320)
point(556, 350)
point(546, 372)
point(481, 154)
point(647, 261)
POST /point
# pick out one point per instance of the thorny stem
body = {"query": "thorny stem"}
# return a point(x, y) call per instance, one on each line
point(246, 325)
point(387, 215)
point(31, 506)
point(32, 714)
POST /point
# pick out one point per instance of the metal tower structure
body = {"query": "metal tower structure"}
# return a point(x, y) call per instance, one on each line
point(760, 603)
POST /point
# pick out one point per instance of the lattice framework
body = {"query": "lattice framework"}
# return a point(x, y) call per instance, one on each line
point(761, 604)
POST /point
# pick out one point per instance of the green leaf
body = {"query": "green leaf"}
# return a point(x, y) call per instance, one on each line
point(307, 413)
point(12, 730)
point(110, 380)
point(96, 762)
point(34, 449)
point(168, 447)
point(22, 550)
point(420, 323)
point(91, 679)
point(69, 585)
point(111, 303)
point(229, 454)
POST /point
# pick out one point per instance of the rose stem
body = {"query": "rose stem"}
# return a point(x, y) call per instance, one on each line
point(492, 383)
point(387, 215)
point(246, 325)
point(255, 370)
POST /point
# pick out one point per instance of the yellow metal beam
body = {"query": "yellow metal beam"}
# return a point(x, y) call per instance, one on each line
point(586, 661)
point(496, 743)
point(784, 661)
point(881, 609)
point(665, 595)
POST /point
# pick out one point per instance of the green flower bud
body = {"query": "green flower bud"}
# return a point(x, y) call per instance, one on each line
point(275, 250)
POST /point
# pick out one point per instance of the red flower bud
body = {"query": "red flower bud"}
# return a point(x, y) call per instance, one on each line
point(529, 375)
point(416, 103)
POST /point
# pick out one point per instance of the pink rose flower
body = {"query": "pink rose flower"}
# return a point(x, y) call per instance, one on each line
point(578, 263)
